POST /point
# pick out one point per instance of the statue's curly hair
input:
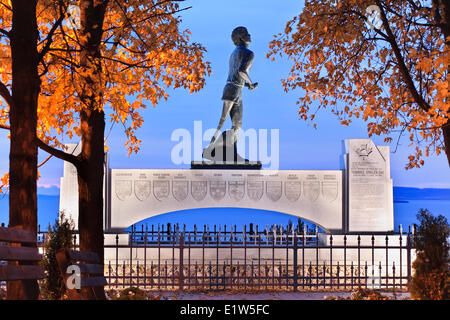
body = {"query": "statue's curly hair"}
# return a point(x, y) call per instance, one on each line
point(236, 35)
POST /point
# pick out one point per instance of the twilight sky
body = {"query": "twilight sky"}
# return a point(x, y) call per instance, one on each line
point(267, 107)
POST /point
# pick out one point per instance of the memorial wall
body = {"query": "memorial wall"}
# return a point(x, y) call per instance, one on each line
point(355, 199)
point(139, 194)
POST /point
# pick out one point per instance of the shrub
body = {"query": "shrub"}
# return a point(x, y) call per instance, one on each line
point(132, 293)
point(430, 279)
point(362, 294)
point(367, 294)
point(60, 236)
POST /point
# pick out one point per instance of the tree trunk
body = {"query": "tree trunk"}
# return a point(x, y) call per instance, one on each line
point(90, 187)
point(23, 121)
point(446, 134)
point(92, 119)
point(446, 31)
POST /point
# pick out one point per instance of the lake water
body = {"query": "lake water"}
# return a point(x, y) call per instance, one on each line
point(404, 213)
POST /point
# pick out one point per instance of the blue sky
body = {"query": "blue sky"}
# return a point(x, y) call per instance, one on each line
point(267, 107)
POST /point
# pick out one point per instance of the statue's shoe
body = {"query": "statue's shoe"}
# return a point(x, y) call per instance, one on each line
point(239, 159)
point(208, 153)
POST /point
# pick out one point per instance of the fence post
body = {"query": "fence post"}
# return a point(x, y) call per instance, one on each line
point(359, 261)
point(295, 263)
point(331, 261)
point(317, 257)
point(117, 260)
point(181, 266)
point(408, 253)
point(345, 261)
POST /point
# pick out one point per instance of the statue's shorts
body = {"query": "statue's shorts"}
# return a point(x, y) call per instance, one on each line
point(232, 92)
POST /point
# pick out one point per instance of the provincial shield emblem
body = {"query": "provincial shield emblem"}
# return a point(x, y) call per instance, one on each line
point(161, 189)
point(180, 190)
point(330, 190)
point(198, 190)
point(255, 189)
point(292, 190)
point(274, 190)
point(312, 190)
point(236, 189)
point(217, 189)
point(123, 189)
point(142, 189)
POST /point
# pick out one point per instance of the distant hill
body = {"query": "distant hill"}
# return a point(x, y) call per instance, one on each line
point(50, 191)
point(404, 194)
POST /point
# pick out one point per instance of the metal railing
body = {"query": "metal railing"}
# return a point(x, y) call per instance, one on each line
point(221, 259)
point(277, 258)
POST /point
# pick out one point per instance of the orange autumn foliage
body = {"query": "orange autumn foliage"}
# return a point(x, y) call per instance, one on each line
point(394, 75)
point(144, 52)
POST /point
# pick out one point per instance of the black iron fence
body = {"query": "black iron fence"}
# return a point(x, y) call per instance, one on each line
point(276, 258)
point(272, 259)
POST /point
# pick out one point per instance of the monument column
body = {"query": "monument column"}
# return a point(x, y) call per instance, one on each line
point(68, 198)
point(369, 187)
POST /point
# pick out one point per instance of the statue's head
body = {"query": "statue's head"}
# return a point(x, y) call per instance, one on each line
point(240, 36)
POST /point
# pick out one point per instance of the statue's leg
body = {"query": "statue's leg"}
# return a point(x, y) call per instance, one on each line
point(236, 120)
point(227, 105)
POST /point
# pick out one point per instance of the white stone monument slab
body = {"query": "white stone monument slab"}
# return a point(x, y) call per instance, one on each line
point(68, 196)
point(138, 194)
point(370, 195)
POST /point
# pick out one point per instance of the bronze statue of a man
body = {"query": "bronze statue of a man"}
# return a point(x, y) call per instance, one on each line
point(241, 61)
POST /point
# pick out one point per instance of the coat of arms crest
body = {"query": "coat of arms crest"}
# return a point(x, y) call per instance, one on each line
point(274, 190)
point(292, 190)
point(255, 189)
point(123, 189)
point(312, 190)
point(330, 190)
point(236, 189)
point(180, 190)
point(217, 189)
point(161, 189)
point(198, 190)
point(142, 189)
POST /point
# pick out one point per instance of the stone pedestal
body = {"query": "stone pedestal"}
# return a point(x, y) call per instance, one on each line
point(205, 165)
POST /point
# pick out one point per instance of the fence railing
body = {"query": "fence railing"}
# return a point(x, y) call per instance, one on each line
point(287, 259)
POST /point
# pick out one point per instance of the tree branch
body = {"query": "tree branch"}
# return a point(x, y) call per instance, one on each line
point(4, 32)
point(5, 94)
point(401, 62)
point(43, 162)
point(58, 153)
point(6, 6)
point(49, 38)
point(52, 151)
